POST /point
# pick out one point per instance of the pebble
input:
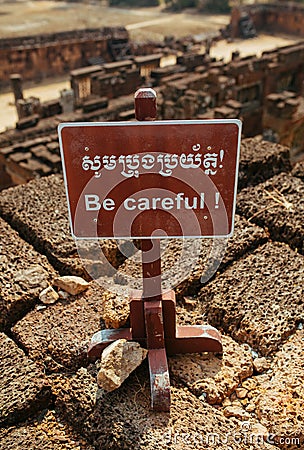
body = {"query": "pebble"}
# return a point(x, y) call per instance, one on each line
point(71, 284)
point(260, 365)
point(236, 411)
point(48, 296)
point(241, 392)
point(118, 361)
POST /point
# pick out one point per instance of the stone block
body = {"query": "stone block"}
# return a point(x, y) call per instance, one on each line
point(214, 376)
point(24, 388)
point(39, 212)
point(59, 334)
point(278, 205)
point(46, 432)
point(261, 160)
point(24, 274)
point(258, 299)
point(277, 396)
point(123, 419)
point(27, 122)
point(188, 264)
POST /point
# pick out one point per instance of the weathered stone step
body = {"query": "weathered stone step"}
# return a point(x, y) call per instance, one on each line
point(258, 299)
point(188, 264)
point(38, 210)
point(24, 388)
point(59, 334)
point(123, 419)
point(277, 204)
point(24, 274)
point(47, 433)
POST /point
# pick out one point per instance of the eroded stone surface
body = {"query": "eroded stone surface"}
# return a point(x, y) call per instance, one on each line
point(48, 433)
point(298, 170)
point(277, 204)
point(188, 264)
point(62, 332)
point(211, 375)
point(258, 299)
point(24, 388)
point(118, 361)
point(116, 309)
point(277, 396)
point(123, 418)
point(23, 274)
point(261, 160)
point(38, 210)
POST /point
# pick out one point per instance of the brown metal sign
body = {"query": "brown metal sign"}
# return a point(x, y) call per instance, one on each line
point(159, 179)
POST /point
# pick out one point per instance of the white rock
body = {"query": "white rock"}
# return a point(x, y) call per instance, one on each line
point(48, 296)
point(63, 295)
point(118, 361)
point(71, 284)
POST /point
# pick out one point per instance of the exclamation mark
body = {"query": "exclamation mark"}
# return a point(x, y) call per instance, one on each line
point(221, 157)
point(217, 199)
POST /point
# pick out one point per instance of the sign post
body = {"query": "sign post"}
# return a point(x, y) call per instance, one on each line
point(152, 180)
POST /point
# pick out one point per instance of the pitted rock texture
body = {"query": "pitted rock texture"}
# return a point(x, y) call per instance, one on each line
point(24, 388)
point(277, 396)
point(116, 309)
point(24, 273)
point(187, 264)
point(298, 170)
point(118, 361)
point(214, 376)
point(277, 204)
point(261, 160)
point(39, 211)
point(258, 299)
point(43, 433)
point(123, 419)
point(61, 332)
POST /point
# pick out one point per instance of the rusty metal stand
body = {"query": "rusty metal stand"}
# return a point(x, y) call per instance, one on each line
point(153, 312)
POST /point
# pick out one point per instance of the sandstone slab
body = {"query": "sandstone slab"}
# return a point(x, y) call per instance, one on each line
point(46, 433)
point(24, 274)
point(123, 419)
point(38, 210)
point(211, 375)
point(24, 388)
point(277, 204)
point(258, 299)
point(118, 361)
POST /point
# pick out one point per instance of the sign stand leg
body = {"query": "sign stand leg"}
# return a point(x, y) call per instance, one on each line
point(153, 312)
